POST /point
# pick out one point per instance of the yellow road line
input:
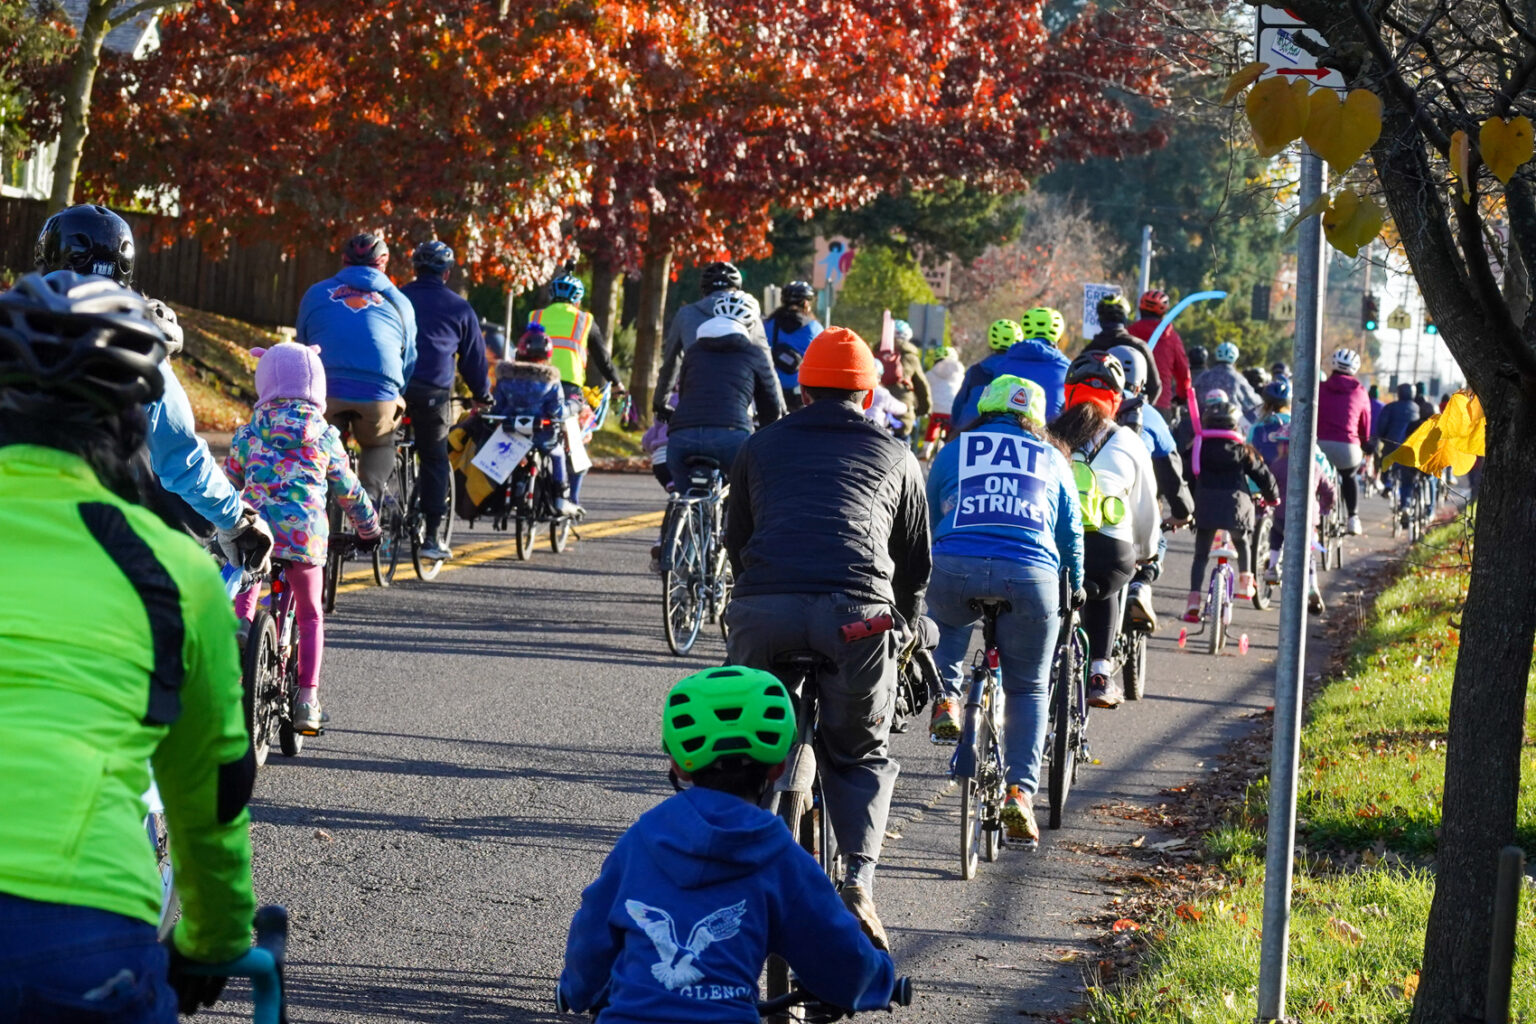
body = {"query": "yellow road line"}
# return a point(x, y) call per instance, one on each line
point(488, 551)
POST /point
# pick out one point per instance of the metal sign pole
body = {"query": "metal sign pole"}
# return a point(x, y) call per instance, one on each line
point(1290, 661)
point(1146, 259)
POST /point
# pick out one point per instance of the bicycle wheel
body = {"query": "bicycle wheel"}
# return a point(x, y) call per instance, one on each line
point(990, 788)
point(392, 507)
point(257, 667)
point(522, 530)
point(970, 828)
point(416, 528)
point(1134, 671)
point(335, 561)
point(1063, 768)
point(1216, 608)
point(559, 533)
point(289, 739)
point(682, 609)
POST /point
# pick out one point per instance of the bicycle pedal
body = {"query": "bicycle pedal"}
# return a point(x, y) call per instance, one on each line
point(307, 733)
point(936, 741)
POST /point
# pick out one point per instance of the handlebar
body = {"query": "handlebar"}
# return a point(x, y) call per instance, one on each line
point(901, 995)
point(262, 963)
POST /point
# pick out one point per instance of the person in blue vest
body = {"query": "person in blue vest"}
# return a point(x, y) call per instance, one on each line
point(1024, 349)
point(447, 338)
point(790, 330)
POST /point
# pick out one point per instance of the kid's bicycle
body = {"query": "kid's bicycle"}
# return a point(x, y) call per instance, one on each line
point(1220, 593)
point(270, 671)
point(814, 1009)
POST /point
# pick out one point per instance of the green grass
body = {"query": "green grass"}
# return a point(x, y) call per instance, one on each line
point(612, 443)
point(1373, 766)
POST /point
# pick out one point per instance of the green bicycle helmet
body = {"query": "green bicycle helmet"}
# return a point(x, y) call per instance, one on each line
point(727, 711)
point(1004, 334)
point(1044, 322)
point(1014, 395)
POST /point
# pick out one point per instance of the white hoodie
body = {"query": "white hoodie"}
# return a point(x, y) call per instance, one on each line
point(1123, 468)
point(944, 383)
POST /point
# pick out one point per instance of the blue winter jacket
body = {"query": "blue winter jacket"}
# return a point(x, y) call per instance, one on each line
point(181, 459)
point(687, 908)
point(447, 329)
point(790, 333)
point(366, 330)
point(1152, 428)
point(1396, 422)
point(530, 389)
point(1000, 492)
point(1033, 359)
point(1264, 435)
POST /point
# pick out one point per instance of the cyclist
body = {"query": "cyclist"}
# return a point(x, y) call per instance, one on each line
point(530, 386)
point(710, 860)
point(944, 379)
point(1014, 551)
point(716, 279)
point(1122, 469)
point(1326, 496)
point(829, 528)
point(80, 722)
point(724, 375)
point(1024, 349)
point(1398, 420)
point(1167, 469)
point(447, 332)
point(1223, 377)
point(1344, 427)
point(287, 459)
point(1224, 466)
point(1169, 357)
point(1113, 314)
point(92, 240)
point(1270, 437)
point(902, 375)
point(1198, 361)
point(1280, 371)
point(366, 330)
point(789, 330)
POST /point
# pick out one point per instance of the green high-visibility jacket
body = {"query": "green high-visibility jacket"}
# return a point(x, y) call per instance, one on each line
point(117, 651)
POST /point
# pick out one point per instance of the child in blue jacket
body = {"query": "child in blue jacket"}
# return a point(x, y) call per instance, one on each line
point(530, 386)
point(697, 894)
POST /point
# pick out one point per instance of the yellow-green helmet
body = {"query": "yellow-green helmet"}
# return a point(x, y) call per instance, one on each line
point(728, 711)
point(1004, 334)
point(1044, 322)
point(1014, 394)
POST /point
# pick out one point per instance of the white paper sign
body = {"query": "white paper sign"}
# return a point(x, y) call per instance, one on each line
point(500, 454)
point(580, 461)
point(1092, 293)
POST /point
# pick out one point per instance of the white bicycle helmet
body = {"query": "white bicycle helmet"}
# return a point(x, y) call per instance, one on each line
point(1226, 352)
point(1135, 368)
point(738, 306)
point(1346, 360)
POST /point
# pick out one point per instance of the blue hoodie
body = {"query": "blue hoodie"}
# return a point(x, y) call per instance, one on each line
point(366, 330)
point(687, 908)
point(969, 506)
point(1033, 359)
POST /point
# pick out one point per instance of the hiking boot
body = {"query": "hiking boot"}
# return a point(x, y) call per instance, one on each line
point(1192, 609)
point(1105, 692)
point(1139, 608)
point(857, 899)
point(307, 717)
point(944, 727)
point(1245, 586)
point(1019, 817)
point(1354, 529)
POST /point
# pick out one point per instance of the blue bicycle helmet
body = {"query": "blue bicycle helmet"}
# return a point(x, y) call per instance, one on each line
point(1226, 352)
point(433, 257)
point(567, 288)
point(1278, 390)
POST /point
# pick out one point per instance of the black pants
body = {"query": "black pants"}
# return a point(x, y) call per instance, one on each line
point(431, 411)
point(1107, 567)
point(1203, 541)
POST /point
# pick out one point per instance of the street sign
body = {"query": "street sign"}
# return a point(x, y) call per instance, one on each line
point(1399, 320)
point(834, 258)
point(1284, 308)
point(938, 278)
point(1092, 293)
point(1277, 45)
point(928, 323)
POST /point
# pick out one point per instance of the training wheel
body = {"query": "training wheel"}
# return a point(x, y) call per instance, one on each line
point(1242, 644)
point(1183, 636)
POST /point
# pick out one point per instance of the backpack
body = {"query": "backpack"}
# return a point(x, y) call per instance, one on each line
point(1098, 509)
point(891, 375)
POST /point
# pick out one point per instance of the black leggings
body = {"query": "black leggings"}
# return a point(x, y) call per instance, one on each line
point(1349, 490)
point(1107, 567)
point(1203, 541)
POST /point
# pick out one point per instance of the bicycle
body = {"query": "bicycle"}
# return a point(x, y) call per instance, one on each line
point(342, 547)
point(695, 571)
point(413, 523)
point(1128, 654)
point(263, 964)
point(270, 672)
point(528, 495)
point(977, 764)
point(1067, 741)
point(816, 1010)
point(160, 842)
point(1263, 590)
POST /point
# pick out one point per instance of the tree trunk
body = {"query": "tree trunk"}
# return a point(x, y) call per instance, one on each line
point(1482, 770)
point(605, 297)
point(77, 104)
point(655, 271)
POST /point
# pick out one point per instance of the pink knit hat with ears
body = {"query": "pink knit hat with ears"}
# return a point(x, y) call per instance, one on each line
point(289, 370)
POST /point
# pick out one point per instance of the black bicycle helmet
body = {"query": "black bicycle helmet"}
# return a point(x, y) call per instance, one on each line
point(1198, 357)
point(1257, 377)
point(1097, 366)
point(797, 291)
point(87, 239)
point(365, 250)
point(1112, 309)
point(720, 277)
point(76, 339)
point(1219, 415)
point(434, 257)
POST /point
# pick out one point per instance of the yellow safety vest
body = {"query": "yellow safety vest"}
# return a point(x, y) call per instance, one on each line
point(567, 327)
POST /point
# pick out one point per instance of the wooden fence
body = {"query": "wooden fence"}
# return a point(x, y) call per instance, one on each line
point(256, 283)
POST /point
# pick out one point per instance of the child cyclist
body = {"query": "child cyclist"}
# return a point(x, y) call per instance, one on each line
point(530, 386)
point(285, 460)
point(699, 891)
point(1267, 436)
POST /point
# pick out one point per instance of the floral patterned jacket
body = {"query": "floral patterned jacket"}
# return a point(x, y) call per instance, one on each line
point(284, 461)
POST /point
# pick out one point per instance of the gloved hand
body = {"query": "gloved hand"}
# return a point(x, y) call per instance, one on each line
point(1171, 524)
point(664, 414)
point(1079, 598)
point(165, 319)
point(249, 542)
point(367, 542)
point(619, 390)
point(193, 991)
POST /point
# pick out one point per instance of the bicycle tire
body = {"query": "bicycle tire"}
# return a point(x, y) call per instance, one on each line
point(426, 568)
point(682, 612)
point(256, 663)
point(990, 813)
point(1063, 746)
point(335, 563)
point(386, 556)
point(289, 740)
point(522, 531)
point(170, 902)
point(1263, 594)
point(1134, 672)
point(970, 828)
point(1216, 609)
point(559, 534)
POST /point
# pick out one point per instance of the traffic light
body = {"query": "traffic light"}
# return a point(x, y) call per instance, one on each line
point(1261, 301)
point(1429, 325)
point(1370, 312)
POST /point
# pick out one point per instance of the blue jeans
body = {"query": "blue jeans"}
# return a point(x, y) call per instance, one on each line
point(1026, 638)
point(62, 964)
point(718, 443)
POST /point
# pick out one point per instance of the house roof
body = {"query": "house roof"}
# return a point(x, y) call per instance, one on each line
point(130, 38)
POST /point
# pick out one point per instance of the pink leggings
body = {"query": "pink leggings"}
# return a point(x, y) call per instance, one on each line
point(305, 582)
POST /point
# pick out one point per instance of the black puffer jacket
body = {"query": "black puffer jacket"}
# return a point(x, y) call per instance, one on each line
point(1116, 334)
point(825, 502)
point(721, 379)
point(1221, 489)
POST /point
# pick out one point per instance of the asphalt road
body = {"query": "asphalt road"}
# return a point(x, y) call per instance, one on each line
point(494, 732)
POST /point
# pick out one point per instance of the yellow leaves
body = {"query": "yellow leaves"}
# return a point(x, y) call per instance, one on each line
point(1461, 155)
point(1411, 985)
point(1345, 932)
point(1341, 132)
point(1242, 80)
point(1312, 209)
point(1351, 222)
point(1189, 912)
point(1505, 145)
point(1277, 113)
point(1453, 438)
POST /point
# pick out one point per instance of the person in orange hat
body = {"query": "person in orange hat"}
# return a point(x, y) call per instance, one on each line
point(828, 539)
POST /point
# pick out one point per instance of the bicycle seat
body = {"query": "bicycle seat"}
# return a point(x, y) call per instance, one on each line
point(702, 462)
point(989, 606)
point(803, 661)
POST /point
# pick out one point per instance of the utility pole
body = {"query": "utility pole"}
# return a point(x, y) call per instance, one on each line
point(1146, 259)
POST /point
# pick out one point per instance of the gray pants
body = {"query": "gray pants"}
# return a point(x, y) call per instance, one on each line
point(857, 701)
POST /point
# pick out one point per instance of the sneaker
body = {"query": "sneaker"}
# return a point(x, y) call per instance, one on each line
point(1139, 608)
point(1105, 692)
point(945, 724)
point(1245, 586)
point(857, 899)
point(567, 507)
point(1272, 574)
point(1192, 609)
point(1403, 518)
point(1315, 603)
point(436, 551)
point(307, 717)
point(656, 558)
point(1019, 817)
point(1354, 529)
